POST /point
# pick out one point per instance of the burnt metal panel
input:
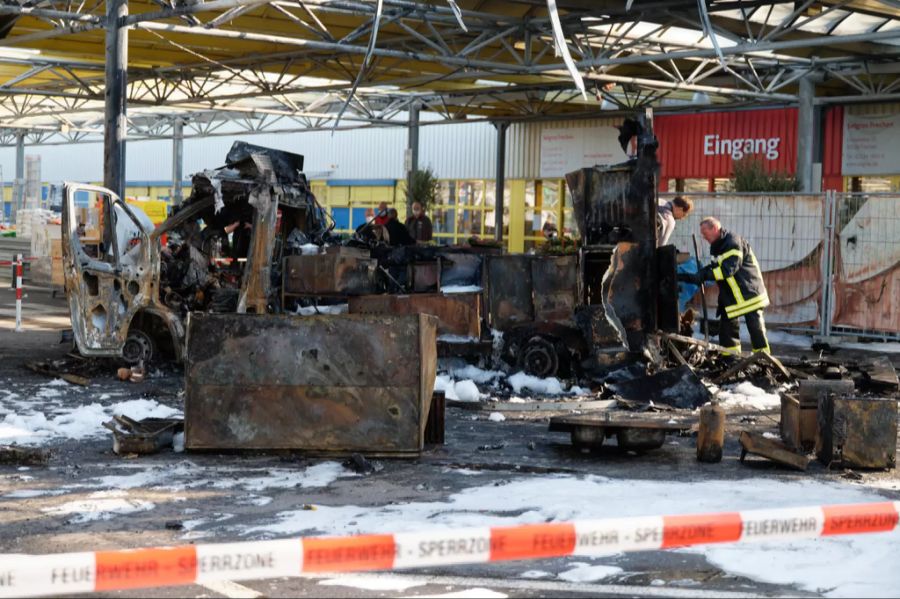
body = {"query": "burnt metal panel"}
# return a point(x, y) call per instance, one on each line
point(509, 288)
point(357, 383)
point(460, 267)
point(617, 205)
point(457, 313)
point(677, 387)
point(629, 295)
point(257, 277)
point(348, 272)
point(285, 165)
point(555, 287)
point(667, 298)
point(857, 432)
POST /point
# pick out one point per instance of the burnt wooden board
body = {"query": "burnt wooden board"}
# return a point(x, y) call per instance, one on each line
point(771, 449)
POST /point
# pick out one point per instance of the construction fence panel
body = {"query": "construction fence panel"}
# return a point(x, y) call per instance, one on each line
point(866, 280)
point(787, 234)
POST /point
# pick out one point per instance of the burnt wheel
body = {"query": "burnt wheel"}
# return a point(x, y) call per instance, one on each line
point(539, 358)
point(139, 346)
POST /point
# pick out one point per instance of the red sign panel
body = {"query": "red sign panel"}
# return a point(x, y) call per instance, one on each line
point(705, 145)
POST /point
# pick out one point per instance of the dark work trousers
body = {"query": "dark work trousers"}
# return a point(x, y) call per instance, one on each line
point(729, 332)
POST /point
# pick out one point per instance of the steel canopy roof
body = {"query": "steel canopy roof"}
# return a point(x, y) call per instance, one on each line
point(291, 64)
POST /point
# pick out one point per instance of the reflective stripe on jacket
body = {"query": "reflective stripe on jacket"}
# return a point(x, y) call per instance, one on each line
point(737, 272)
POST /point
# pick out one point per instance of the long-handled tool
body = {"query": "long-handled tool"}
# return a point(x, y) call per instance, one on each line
point(702, 292)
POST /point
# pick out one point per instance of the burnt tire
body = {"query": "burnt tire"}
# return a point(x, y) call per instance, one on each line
point(139, 347)
point(539, 357)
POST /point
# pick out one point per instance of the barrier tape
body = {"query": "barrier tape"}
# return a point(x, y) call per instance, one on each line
point(19, 272)
point(23, 259)
point(33, 576)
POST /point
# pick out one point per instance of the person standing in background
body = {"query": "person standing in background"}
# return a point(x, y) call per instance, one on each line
point(419, 224)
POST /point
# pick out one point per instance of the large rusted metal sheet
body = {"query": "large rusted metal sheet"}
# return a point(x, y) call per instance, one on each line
point(324, 384)
point(339, 271)
point(457, 313)
point(857, 432)
point(555, 287)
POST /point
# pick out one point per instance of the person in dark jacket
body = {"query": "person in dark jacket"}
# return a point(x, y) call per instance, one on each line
point(742, 291)
point(419, 224)
point(397, 234)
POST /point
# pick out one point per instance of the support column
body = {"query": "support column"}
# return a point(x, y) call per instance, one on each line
point(412, 153)
point(805, 133)
point(19, 182)
point(116, 125)
point(501, 179)
point(177, 161)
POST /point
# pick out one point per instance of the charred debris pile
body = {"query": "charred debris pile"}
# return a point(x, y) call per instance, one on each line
point(602, 314)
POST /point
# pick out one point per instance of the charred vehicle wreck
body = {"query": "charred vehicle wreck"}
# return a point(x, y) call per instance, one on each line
point(131, 288)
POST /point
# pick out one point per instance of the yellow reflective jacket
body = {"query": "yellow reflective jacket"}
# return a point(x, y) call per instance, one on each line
point(737, 272)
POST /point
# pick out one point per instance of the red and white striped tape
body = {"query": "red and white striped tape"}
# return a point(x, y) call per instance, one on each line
point(19, 272)
point(32, 576)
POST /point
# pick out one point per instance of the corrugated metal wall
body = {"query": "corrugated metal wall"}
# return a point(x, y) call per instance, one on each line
point(874, 109)
point(458, 150)
point(523, 144)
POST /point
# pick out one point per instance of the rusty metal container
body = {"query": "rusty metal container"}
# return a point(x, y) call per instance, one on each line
point(857, 432)
point(457, 313)
point(522, 289)
point(339, 271)
point(322, 384)
point(555, 283)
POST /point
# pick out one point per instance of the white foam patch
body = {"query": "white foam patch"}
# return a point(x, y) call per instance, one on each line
point(373, 583)
point(477, 593)
point(467, 391)
point(867, 561)
point(476, 374)
point(534, 574)
point(31, 493)
point(496, 417)
point(548, 386)
point(187, 475)
point(589, 573)
point(320, 475)
point(444, 383)
point(30, 426)
point(332, 310)
point(99, 506)
point(748, 396)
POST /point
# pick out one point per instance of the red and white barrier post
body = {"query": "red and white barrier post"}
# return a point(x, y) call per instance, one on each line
point(19, 270)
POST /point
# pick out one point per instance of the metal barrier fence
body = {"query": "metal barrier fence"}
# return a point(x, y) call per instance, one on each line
point(866, 276)
point(849, 242)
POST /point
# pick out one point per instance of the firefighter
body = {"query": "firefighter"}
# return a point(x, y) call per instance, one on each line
point(741, 288)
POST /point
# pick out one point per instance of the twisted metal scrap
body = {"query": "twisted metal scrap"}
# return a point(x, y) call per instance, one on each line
point(560, 39)
point(379, 10)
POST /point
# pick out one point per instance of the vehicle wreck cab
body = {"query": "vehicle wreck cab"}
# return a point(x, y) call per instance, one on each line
point(131, 286)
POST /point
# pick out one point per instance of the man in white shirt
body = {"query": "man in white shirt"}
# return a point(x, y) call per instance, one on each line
point(667, 214)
